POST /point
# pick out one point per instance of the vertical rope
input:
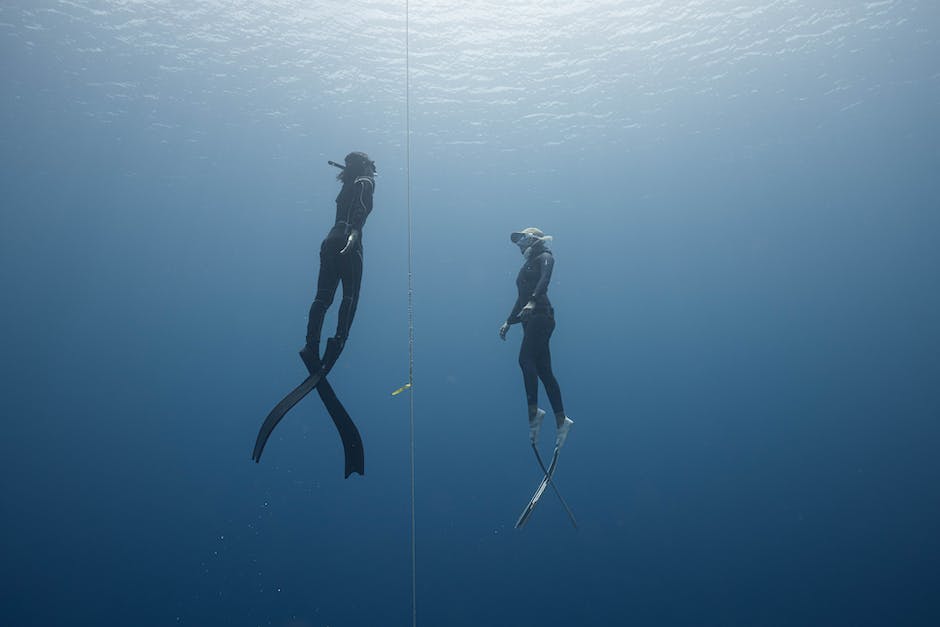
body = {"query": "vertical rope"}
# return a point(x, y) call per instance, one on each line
point(411, 314)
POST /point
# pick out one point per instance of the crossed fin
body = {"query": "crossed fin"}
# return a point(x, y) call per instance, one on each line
point(348, 433)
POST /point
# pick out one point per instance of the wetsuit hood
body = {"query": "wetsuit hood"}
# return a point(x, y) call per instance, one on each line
point(360, 163)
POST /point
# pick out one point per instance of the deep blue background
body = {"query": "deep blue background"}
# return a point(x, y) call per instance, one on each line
point(748, 341)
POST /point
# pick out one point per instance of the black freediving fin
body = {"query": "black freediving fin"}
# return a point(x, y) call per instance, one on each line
point(524, 516)
point(281, 409)
point(551, 482)
point(348, 433)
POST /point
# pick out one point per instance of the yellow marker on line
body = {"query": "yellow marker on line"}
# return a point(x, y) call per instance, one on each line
point(407, 386)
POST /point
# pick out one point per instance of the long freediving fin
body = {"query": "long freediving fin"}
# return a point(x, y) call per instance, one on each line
point(524, 516)
point(551, 482)
point(281, 409)
point(348, 433)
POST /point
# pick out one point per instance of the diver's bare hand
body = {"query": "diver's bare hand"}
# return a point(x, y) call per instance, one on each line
point(527, 310)
point(503, 330)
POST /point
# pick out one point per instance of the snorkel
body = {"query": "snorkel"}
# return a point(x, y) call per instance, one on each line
point(360, 159)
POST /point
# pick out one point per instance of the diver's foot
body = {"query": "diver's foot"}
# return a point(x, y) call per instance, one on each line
point(562, 433)
point(311, 358)
point(334, 346)
point(535, 423)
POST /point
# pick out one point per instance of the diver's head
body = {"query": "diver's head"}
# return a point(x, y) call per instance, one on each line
point(528, 238)
point(357, 164)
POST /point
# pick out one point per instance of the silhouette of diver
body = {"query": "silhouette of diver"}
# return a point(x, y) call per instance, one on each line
point(340, 262)
point(533, 309)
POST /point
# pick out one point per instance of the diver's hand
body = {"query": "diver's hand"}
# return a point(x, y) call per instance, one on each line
point(527, 310)
point(350, 242)
point(503, 330)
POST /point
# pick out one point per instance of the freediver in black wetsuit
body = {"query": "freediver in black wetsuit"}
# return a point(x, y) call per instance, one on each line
point(341, 261)
point(535, 312)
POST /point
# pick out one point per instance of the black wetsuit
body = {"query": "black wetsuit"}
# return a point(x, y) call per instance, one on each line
point(535, 359)
point(353, 205)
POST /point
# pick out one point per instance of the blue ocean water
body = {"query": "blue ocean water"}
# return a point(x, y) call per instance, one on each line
point(745, 208)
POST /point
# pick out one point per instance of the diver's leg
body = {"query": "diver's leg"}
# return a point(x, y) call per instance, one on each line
point(543, 360)
point(529, 370)
point(530, 377)
point(327, 282)
point(351, 275)
point(350, 272)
